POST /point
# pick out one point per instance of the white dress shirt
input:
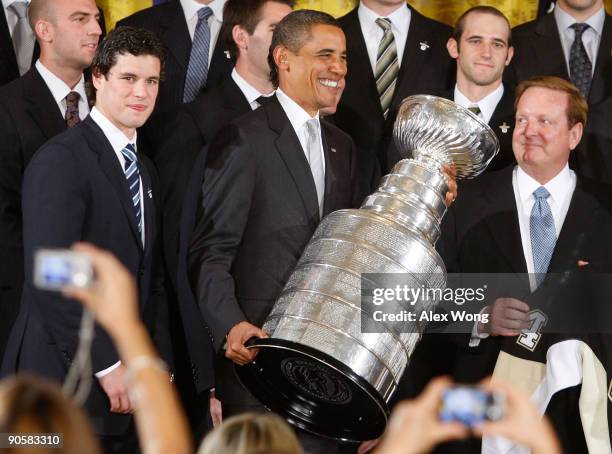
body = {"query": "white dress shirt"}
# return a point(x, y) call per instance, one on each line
point(190, 9)
point(298, 118)
point(118, 142)
point(590, 37)
point(250, 92)
point(372, 33)
point(486, 105)
point(59, 90)
point(11, 17)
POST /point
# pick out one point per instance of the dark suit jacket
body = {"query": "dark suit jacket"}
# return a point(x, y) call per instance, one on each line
point(502, 123)
point(75, 190)
point(167, 21)
point(259, 210)
point(538, 51)
point(180, 158)
point(29, 116)
point(426, 68)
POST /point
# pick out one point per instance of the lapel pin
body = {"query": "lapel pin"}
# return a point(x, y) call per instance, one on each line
point(227, 54)
point(582, 263)
point(504, 127)
point(333, 149)
point(150, 193)
point(424, 45)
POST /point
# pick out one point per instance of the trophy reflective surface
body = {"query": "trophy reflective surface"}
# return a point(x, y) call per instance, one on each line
point(318, 369)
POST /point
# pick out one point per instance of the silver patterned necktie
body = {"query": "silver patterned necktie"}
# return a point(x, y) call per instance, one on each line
point(387, 66)
point(23, 37)
point(197, 71)
point(132, 176)
point(315, 159)
point(542, 232)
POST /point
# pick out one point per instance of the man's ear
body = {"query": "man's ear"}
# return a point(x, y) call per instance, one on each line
point(240, 37)
point(510, 55)
point(575, 134)
point(281, 58)
point(44, 31)
point(453, 47)
point(95, 78)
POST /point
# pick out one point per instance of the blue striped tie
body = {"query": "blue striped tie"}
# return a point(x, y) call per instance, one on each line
point(197, 71)
point(542, 232)
point(133, 179)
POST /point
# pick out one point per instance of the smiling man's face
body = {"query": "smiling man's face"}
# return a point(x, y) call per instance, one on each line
point(314, 76)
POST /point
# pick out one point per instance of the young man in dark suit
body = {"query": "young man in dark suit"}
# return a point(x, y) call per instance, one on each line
point(482, 46)
point(413, 61)
point(180, 160)
point(90, 184)
point(45, 101)
point(190, 30)
point(573, 42)
point(270, 177)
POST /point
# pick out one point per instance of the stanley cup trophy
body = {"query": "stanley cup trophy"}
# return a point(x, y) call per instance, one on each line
point(318, 369)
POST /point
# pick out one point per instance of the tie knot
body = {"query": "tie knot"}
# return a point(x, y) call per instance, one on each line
point(312, 126)
point(72, 98)
point(204, 13)
point(129, 152)
point(541, 193)
point(579, 28)
point(263, 100)
point(384, 23)
point(474, 109)
point(20, 9)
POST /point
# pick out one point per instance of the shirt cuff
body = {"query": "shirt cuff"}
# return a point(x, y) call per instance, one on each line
point(476, 336)
point(108, 370)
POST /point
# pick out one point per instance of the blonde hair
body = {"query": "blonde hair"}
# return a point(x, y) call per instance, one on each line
point(252, 433)
point(31, 404)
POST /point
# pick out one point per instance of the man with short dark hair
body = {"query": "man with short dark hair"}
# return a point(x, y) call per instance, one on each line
point(45, 101)
point(270, 177)
point(90, 184)
point(482, 46)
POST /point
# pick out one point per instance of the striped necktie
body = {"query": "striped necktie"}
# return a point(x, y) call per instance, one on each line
point(197, 71)
point(387, 65)
point(132, 176)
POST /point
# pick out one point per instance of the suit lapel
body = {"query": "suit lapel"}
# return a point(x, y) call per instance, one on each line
point(576, 231)
point(175, 34)
point(602, 77)
point(413, 58)
point(504, 223)
point(291, 152)
point(149, 207)
point(333, 166)
point(112, 169)
point(41, 105)
point(548, 48)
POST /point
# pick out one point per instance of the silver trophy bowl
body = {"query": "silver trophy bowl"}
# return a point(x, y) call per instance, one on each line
point(319, 369)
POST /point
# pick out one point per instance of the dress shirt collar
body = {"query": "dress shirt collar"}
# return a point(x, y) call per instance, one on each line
point(486, 105)
point(115, 136)
point(191, 7)
point(59, 89)
point(565, 21)
point(7, 3)
point(250, 92)
point(560, 187)
point(400, 19)
point(297, 116)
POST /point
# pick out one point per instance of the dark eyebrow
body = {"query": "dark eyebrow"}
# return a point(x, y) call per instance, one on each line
point(326, 51)
point(83, 13)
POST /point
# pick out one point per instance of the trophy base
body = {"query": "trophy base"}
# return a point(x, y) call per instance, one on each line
point(314, 391)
